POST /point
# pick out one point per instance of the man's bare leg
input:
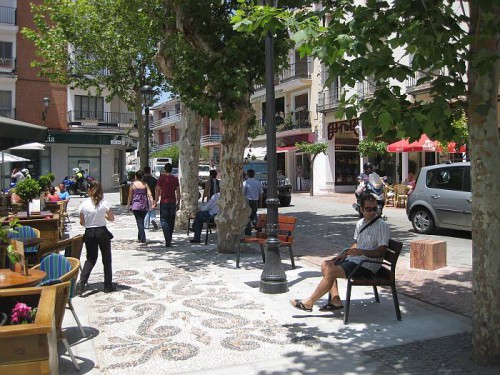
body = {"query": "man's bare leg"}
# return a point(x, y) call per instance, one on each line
point(328, 283)
point(334, 293)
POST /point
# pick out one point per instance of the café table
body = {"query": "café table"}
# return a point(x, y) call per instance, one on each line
point(11, 279)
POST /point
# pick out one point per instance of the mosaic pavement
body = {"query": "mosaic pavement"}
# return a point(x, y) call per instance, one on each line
point(177, 318)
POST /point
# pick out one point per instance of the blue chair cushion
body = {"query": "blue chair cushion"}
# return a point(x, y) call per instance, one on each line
point(21, 232)
point(56, 265)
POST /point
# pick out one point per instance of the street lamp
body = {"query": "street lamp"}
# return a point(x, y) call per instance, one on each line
point(273, 278)
point(147, 96)
point(46, 103)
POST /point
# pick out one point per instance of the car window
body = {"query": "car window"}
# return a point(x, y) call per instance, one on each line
point(204, 168)
point(446, 178)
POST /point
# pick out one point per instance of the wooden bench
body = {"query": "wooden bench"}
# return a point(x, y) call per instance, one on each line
point(286, 227)
point(207, 225)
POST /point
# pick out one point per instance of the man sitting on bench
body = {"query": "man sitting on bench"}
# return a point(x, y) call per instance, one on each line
point(371, 237)
point(205, 215)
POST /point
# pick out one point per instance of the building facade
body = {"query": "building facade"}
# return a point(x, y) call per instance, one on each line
point(84, 130)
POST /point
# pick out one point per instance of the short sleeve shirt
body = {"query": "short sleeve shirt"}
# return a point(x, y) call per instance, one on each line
point(64, 196)
point(168, 185)
point(252, 189)
point(94, 216)
point(376, 235)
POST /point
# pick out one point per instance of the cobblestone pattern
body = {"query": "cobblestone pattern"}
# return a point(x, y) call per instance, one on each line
point(444, 356)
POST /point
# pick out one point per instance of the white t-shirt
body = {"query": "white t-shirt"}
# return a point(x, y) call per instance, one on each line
point(376, 235)
point(94, 216)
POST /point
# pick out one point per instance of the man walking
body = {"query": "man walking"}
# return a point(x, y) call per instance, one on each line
point(252, 189)
point(169, 193)
point(150, 180)
point(371, 238)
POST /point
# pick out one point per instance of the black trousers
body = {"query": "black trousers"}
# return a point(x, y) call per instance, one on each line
point(254, 205)
point(95, 239)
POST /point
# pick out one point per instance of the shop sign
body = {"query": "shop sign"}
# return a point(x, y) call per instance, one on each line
point(346, 144)
point(117, 141)
point(343, 126)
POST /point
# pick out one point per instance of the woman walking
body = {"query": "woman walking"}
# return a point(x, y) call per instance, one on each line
point(139, 199)
point(93, 215)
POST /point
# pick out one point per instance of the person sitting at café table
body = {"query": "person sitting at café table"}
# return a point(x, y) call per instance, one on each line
point(410, 181)
point(52, 196)
point(63, 194)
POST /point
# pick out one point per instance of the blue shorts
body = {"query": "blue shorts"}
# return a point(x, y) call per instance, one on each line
point(349, 266)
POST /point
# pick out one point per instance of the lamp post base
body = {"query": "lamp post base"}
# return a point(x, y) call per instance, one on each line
point(273, 287)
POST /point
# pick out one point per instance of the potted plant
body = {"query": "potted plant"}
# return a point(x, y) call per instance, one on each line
point(28, 190)
point(5, 247)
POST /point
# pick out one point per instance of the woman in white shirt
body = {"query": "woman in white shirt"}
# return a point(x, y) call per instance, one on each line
point(93, 215)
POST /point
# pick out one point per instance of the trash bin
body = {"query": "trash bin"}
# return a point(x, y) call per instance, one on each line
point(124, 194)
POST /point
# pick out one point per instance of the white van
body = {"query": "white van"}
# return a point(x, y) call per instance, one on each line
point(158, 164)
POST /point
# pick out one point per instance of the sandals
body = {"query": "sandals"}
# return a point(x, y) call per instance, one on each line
point(297, 303)
point(330, 308)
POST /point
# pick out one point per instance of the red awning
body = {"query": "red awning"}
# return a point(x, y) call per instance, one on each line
point(424, 144)
point(286, 148)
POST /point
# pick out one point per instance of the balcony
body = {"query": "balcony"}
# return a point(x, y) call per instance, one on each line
point(365, 89)
point(329, 100)
point(163, 146)
point(7, 64)
point(298, 71)
point(165, 121)
point(8, 112)
point(98, 120)
point(418, 84)
point(291, 121)
point(8, 15)
point(211, 139)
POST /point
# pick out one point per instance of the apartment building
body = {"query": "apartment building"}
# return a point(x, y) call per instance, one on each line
point(84, 130)
point(165, 125)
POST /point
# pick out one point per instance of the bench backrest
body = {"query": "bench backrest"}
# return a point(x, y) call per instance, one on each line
point(392, 255)
point(286, 226)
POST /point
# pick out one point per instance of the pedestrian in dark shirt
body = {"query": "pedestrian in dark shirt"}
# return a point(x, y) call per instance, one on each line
point(169, 195)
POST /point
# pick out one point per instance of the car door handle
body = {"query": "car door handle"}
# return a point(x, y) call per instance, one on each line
point(469, 200)
point(435, 196)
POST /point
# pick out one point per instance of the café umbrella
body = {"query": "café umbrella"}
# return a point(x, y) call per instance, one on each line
point(8, 158)
point(424, 144)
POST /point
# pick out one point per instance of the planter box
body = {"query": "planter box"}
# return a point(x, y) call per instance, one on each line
point(29, 348)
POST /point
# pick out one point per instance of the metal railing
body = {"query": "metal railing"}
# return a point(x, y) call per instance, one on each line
point(298, 70)
point(329, 99)
point(163, 146)
point(211, 138)
point(8, 112)
point(92, 118)
point(8, 63)
point(290, 121)
point(412, 84)
point(365, 89)
point(8, 15)
point(165, 121)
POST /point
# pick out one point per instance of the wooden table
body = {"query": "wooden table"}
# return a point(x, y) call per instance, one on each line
point(11, 279)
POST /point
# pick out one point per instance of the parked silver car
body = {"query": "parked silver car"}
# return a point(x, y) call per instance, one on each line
point(441, 198)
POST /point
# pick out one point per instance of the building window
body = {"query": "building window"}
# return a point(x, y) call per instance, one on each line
point(45, 161)
point(6, 104)
point(6, 55)
point(89, 107)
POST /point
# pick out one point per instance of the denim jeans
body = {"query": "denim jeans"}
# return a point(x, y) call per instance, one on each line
point(150, 216)
point(167, 219)
point(139, 219)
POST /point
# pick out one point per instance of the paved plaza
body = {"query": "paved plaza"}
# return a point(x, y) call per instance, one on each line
point(187, 309)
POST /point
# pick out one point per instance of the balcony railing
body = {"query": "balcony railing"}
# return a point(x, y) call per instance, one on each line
point(211, 138)
point(365, 89)
point(101, 119)
point(299, 70)
point(8, 15)
point(291, 121)
point(413, 86)
point(329, 99)
point(163, 146)
point(8, 112)
point(7, 63)
point(166, 121)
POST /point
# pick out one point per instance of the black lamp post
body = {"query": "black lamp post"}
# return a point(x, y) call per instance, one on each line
point(273, 278)
point(46, 103)
point(147, 96)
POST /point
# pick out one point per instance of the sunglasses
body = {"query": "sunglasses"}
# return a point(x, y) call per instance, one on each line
point(370, 209)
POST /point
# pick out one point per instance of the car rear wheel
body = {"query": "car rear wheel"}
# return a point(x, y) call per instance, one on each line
point(422, 221)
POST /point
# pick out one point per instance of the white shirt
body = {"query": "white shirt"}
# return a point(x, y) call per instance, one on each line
point(376, 235)
point(252, 189)
point(212, 207)
point(94, 216)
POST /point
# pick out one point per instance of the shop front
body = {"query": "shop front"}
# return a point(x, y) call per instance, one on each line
point(102, 156)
